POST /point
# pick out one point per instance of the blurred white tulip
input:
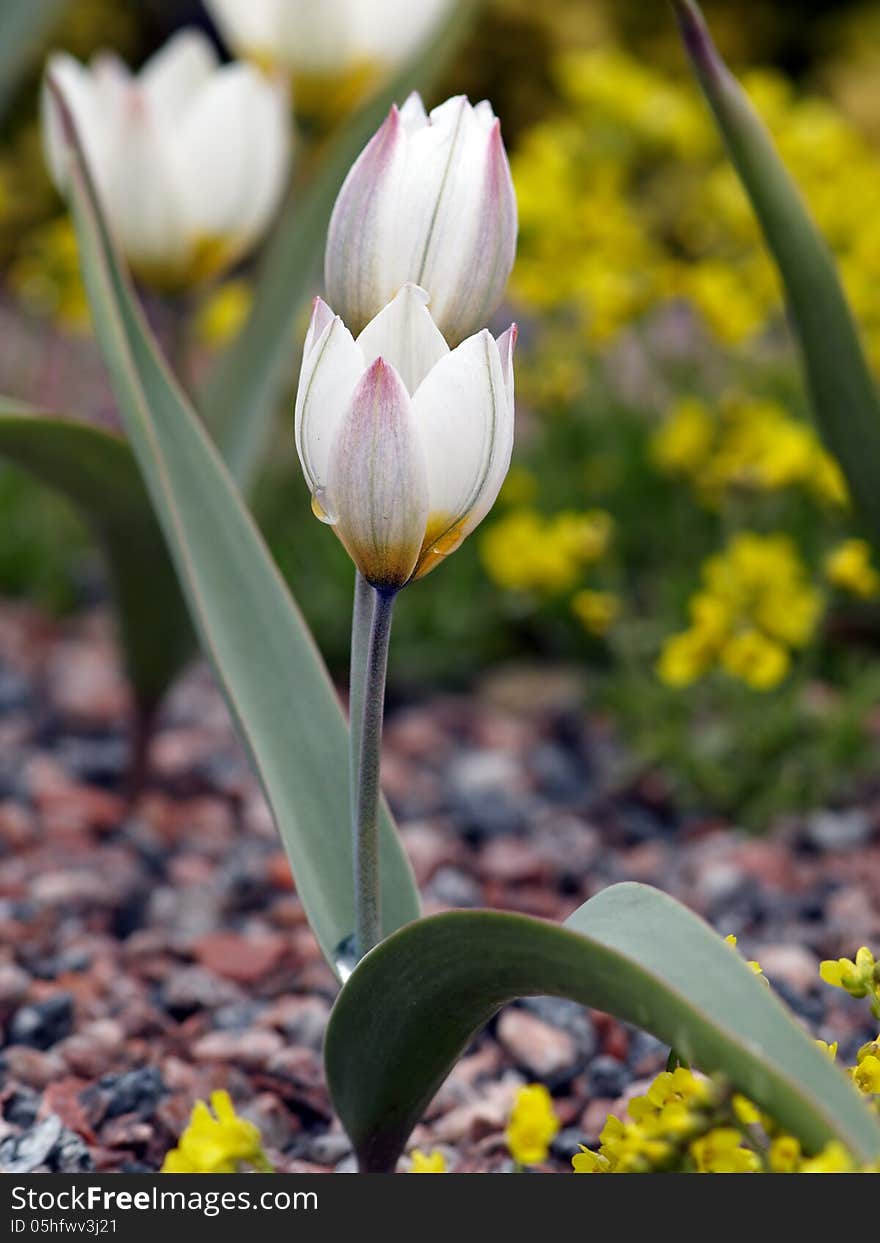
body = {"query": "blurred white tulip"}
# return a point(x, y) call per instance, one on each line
point(326, 38)
point(404, 443)
point(429, 201)
point(189, 158)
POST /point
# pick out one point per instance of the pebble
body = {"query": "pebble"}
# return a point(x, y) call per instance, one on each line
point(14, 985)
point(41, 1024)
point(47, 1145)
point(544, 1052)
point(607, 1077)
point(252, 1048)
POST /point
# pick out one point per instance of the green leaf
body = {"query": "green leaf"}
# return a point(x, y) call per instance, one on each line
point(24, 26)
point(413, 1004)
point(265, 659)
point(241, 396)
point(841, 386)
point(95, 470)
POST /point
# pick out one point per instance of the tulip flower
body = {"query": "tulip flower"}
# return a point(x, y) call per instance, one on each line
point(189, 157)
point(404, 443)
point(430, 202)
point(326, 38)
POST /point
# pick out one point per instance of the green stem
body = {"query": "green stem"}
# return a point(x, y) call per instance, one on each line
point(369, 661)
point(360, 643)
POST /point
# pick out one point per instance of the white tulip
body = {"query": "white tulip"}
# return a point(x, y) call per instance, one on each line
point(404, 443)
point(429, 201)
point(326, 37)
point(189, 157)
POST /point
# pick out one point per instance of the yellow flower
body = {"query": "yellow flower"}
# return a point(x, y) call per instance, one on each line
point(866, 1076)
point(848, 567)
point(785, 1155)
point(760, 662)
point(684, 442)
point(684, 659)
point(223, 312)
point(833, 1159)
point(857, 978)
point(427, 1163)
point(216, 1143)
point(720, 1151)
point(830, 1050)
point(596, 610)
point(588, 1162)
point(533, 1125)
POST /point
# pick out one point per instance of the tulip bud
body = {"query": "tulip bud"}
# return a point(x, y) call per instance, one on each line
point(404, 443)
point(430, 202)
point(326, 38)
point(189, 158)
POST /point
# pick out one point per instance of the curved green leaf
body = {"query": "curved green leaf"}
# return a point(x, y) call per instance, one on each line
point(841, 386)
point(95, 469)
point(265, 659)
point(24, 25)
point(413, 1004)
point(241, 395)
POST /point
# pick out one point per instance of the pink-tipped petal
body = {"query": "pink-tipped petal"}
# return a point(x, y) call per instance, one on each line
point(361, 229)
point(378, 483)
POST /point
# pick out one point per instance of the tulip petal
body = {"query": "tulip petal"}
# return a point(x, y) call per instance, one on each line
point(405, 335)
point(464, 412)
point(252, 27)
point(456, 234)
point(143, 200)
point(361, 233)
point(378, 481)
point(76, 85)
point(332, 365)
point(413, 115)
point(173, 75)
point(236, 133)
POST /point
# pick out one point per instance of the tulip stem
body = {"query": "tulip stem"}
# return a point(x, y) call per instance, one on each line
point(361, 621)
point(371, 632)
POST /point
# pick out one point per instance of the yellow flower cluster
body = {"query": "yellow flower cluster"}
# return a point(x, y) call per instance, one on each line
point(627, 200)
point(860, 978)
point(866, 1072)
point(672, 1117)
point(217, 1142)
point(427, 1162)
point(755, 605)
point(686, 1123)
point(526, 551)
point(748, 445)
point(848, 567)
point(533, 1125)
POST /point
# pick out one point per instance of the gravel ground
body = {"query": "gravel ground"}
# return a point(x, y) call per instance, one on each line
point(151, 954)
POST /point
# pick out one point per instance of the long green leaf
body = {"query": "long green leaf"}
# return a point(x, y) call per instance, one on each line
point(264, 656)
point(841, 386)
point(24, 25)
point(95, 469)
point(413, 1004)
point(241, 396)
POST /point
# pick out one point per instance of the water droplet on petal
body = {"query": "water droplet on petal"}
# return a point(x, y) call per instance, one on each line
point(321, 508)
